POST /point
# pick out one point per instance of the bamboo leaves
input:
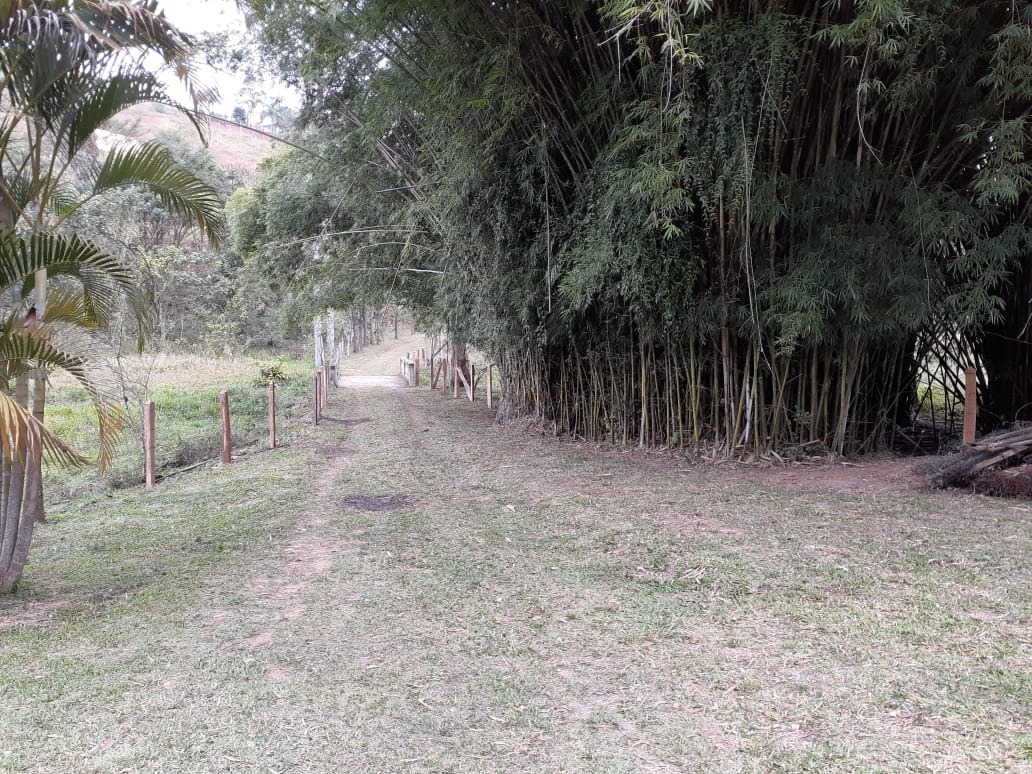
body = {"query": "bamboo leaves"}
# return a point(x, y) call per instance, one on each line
point(757, 218)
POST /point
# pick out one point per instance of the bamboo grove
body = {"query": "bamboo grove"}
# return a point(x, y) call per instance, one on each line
point(749, 225)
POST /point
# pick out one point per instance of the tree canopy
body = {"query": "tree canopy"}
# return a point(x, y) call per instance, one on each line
point(757, 224)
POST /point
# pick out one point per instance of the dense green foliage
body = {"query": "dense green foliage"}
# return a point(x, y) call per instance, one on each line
point(753, 224)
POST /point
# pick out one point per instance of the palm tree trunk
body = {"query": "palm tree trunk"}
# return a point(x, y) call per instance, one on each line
point(22, 481)
point(39, 401)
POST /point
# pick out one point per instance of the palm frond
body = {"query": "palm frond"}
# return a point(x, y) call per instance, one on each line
point(22, 256)
point(25, 349)
point(103, 278)
point(152, 166)
point(21, 434)
point(25, 191)
point(98, 100)
point(71, 308)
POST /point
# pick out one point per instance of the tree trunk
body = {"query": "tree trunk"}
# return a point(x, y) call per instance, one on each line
point(318, 337)
point(39, 401)
point(39, 392)
point(20, 492)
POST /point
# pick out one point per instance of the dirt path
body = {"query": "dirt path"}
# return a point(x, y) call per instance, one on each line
point(508, 603)
point(436, 593)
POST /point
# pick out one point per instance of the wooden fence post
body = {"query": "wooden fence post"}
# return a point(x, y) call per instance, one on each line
point(453, 364)
point(490, 374)
point(415, 377)
point(148, 443)
point(315, 398)
point(970, 405)
point(227, 441)
point(272, 415)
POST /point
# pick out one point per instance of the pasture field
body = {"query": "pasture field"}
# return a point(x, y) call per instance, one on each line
point(185, 390)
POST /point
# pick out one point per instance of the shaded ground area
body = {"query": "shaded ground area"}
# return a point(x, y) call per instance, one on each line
point(531, 605)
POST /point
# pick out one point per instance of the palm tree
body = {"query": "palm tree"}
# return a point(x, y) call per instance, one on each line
point(66, 69)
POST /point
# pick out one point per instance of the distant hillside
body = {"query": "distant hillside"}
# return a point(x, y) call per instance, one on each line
point(234, 147)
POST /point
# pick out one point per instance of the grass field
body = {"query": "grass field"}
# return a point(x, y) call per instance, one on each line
point(185, 390)
point(516, 604)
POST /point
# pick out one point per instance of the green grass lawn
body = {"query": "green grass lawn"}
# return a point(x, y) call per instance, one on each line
point(185, 390)
point(530, 605)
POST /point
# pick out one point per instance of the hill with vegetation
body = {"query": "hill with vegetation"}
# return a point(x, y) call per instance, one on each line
point(233, 147)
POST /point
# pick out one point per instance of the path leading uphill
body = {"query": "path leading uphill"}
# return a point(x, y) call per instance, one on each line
point(436, 593)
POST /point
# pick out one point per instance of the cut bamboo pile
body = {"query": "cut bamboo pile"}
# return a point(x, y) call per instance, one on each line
point(982, 455)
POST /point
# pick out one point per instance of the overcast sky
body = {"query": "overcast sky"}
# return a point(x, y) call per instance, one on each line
point(200, 16)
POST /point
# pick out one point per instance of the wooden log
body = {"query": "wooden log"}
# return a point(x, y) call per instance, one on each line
point(970, 405)
point(984, 454)
point(272, 415)
point(148, 443)
point(227, 440)
point(468, 387)
point(997, 441)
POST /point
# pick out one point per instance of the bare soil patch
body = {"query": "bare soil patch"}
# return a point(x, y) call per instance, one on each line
point(391, 502)
point(311, 556)
point(877, 475)
point(367, 380)
point(346, 422)
point(337, 451)
point(40, 614)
